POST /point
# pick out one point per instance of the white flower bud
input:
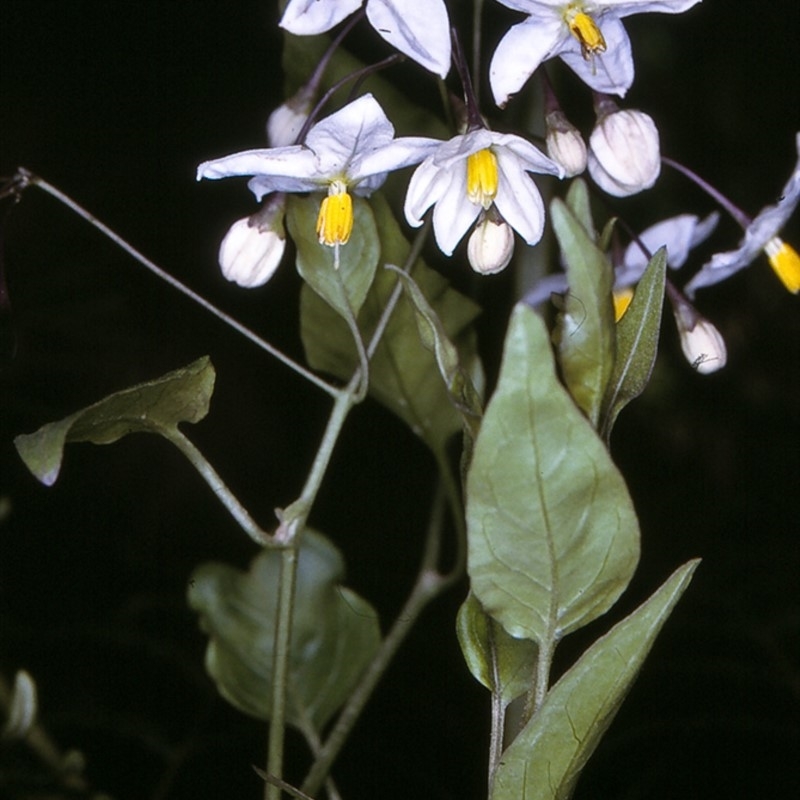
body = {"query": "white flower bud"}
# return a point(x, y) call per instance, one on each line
point(287, 120)
point(253, 247)
point(490, 246)
point(565, 144)
point(624, 153)
point(701, 342)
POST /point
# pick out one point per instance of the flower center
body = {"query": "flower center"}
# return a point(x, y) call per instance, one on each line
point(335, 220)
point(622, 299)
point(585, 30)
point(482, 177)
point(783, 258)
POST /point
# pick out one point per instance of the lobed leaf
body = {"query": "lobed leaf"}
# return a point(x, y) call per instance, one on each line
point(153, 407)
point(335, 632)
point(553, 539)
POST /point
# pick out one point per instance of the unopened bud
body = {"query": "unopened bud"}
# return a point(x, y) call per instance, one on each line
point(286, 121)
point(701, 342)
point(490, 246)
point(624, 154)
point(565, 144)
point(253, 247)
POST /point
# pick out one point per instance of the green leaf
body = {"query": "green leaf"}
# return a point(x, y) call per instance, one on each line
point(504, 665)
point(334, 636)
point(153, 407)
point(553, 539)
point(545, 760)
point(584, 332)
point(637, 342)
point(404, 375)
point(345, 288)
point(578, 201)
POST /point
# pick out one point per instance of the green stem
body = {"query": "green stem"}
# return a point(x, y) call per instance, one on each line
point(429, 583)
point(219, 487)
point(29, 178)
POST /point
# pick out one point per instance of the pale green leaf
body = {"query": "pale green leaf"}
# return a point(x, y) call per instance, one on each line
point(334, 636)
point(585, 331)
point(504, 665)
point(153, 407)
point(578, 201)
point(553, 539)
point(546, 759)
point(343, 288)
point(636, 342)
point(404, 375)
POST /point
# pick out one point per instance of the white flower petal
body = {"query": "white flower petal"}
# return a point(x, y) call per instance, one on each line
point(521, 51)
point(427, 185)
point(518, 199)
point(453, 213)
point(532, 159)
point(295, 163)
point(421, 30)
point(610, 72)
point(308, 17)
point(403, 152)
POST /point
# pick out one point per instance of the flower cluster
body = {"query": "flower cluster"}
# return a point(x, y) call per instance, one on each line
point(479, 182)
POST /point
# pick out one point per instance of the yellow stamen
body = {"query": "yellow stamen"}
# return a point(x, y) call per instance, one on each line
point(585, 30)
point(482, 177)
point(783, 258)
point(335, 220)
point(622, 299)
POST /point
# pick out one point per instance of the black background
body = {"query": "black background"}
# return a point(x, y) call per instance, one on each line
point(115, 103)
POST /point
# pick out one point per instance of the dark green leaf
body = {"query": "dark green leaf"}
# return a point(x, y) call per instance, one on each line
point(153, 407)
point(504, 665)
point(637, 342)
point(334, 636)
point(546, 758)
point(553, 539)
point(404, 375)
point(344, 288)
point(585, 329)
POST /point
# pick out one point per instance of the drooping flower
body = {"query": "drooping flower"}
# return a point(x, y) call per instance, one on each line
point(351, 150)
point(586, 34)
point(472, 172)
point(253, 247)
point(624, 152)
point(420, 30)
point(701, 342)
point(490, 246)
point(761, 235)
point(565, 144)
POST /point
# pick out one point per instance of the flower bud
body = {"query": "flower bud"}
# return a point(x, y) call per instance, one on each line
point(287, 120)
point(253, 247)
point(701, 342)
point(624, 155)
point(490, 246)
point(565, 144)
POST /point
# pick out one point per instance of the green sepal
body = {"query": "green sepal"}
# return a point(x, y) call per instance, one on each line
point(157, 406)
point(547, 756)
point(335, 632)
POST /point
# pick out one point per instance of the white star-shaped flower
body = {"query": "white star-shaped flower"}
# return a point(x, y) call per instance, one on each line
point(586, 34)
point(761, 235)
point(471, 172)
point(420, 30)
point(351, 150)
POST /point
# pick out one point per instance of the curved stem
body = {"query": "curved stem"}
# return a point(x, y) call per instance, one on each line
point(30, 178)
point(219, 487)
